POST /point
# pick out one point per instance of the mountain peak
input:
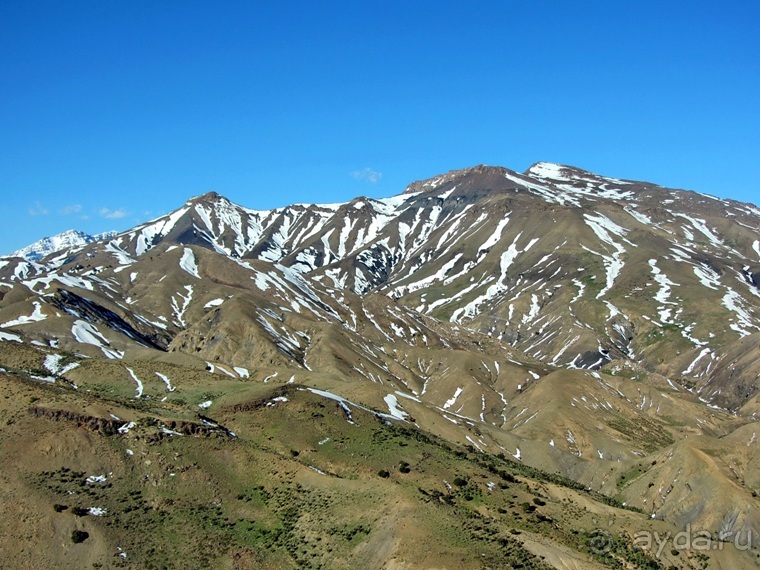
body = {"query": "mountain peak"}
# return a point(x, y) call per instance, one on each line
point(65, 240)
point(452, 175)
point(208, 197)
point(563, 173)
point(554, 171)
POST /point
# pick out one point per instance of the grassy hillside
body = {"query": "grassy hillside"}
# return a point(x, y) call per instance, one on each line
point(305, 481)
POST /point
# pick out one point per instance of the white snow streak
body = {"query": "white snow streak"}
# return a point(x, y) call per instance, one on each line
point(37, 315)
point(166, 381)
point(179, 312)
point(137, 381)
point(601, 225)
point(450, 402)
point(88, 333)
point(733, 302)
point(188, 263)
point(9, 337)
point(704, 352)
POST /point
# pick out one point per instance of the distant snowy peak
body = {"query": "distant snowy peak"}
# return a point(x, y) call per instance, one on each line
point(61, 242)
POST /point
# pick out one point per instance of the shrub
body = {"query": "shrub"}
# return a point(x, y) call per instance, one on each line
point(79, 536)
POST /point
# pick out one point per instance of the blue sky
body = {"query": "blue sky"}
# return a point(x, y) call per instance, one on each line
point(115, 112)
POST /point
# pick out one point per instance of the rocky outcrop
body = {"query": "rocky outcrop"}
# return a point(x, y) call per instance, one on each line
point(106, 426)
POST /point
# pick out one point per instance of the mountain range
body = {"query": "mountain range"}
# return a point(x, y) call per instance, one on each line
point(67, 240)
point(591, 341)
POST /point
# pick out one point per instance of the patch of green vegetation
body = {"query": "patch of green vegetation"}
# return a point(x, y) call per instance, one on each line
point(623, 371)
point(592, 285)
point(208, 395)
point(256, 497)
point(650, 435)
point(194, 502)
point(632, 474)
point(615, 551)
point(350, 532)
point(666, 331)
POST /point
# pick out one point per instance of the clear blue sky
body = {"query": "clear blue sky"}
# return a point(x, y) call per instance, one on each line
point(115, 112)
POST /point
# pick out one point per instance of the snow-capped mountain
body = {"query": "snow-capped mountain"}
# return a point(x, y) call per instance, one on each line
point(580, 323)
point(70, 239)
point(575, 269)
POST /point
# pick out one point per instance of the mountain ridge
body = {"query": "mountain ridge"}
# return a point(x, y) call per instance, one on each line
point(540, 170)
point(59, 242)
point(370, 256)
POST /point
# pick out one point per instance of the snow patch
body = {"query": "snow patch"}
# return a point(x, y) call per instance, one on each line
point(96, 479)
point(242, 372)
point(37, 315)
point(451, 401)
point(139, 389)
point(166, 381)
point(393, 407)
point(6, 336)
point(53, 363)
point(703, 353)
point(188, 263)
point(87, 333)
